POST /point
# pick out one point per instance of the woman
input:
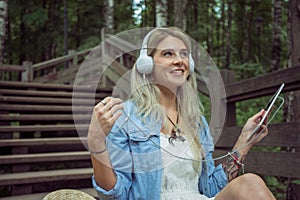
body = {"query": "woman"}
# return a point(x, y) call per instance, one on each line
point(157, 144)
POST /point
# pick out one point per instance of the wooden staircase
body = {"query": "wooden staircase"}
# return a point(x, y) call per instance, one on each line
point(41, 150)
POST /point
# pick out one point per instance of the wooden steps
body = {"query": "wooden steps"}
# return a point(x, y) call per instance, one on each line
point(40, 196)
point(42, 148)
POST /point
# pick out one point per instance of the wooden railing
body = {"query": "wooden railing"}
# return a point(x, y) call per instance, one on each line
point(63, 69)
point(278, 154)
point(44, 72)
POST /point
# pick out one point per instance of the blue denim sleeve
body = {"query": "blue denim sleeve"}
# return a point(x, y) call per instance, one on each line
point(121, 159)
point(213, 178)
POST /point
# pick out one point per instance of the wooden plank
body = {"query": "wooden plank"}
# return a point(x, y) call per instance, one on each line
point(44, 100)
point(44, 157)
point(42, 141)
point(52, 62)
point(56, 94)
point(45, 176)
point(43, 128)
point(12, 68)
point(51, 87)
point(280, 135)
point(115, 66)
point(250, 88)
point(284, 164)
point(42, 117)
point(39, 196)
point(31, 85)
point(121, 44)
point(44, 108)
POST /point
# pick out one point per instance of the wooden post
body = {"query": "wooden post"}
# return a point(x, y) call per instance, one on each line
point(292, 107)
point(294, 55)
point(103, 52)
point(27, 75)
point(228, 78)
point(73, 53)
point(221, 112)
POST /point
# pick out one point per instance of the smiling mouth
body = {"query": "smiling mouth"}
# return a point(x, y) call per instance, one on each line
point(177, 71)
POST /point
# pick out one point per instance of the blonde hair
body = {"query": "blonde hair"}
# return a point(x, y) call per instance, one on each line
point(145, 94)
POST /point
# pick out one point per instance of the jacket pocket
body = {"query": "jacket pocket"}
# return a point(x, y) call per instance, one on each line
point(145, 151)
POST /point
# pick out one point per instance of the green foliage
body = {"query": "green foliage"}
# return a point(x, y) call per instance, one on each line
point(124, 19)
point(247, 70)
point(89, 42)
point(206, 105)
point(278, 186)
point(36, 18)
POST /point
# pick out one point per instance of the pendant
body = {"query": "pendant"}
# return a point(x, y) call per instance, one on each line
point(176, 135)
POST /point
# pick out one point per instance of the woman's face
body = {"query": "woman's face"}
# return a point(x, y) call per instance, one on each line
point(171, 63)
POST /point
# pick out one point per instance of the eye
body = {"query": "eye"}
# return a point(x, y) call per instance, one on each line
point(167, 53)
point(184, 54)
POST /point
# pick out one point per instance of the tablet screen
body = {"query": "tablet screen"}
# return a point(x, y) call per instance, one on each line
point(268, 109)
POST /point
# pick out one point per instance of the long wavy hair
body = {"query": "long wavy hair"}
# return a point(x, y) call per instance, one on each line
point(145, 93)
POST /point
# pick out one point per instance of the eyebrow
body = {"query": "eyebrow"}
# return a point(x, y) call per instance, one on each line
point(172, 49)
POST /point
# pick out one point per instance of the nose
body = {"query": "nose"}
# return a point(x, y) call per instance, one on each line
point(178, 59)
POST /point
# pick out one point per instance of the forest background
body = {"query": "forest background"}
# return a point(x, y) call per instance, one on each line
point(250, 37)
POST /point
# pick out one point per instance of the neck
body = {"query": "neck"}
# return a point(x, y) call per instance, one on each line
point(167, 99)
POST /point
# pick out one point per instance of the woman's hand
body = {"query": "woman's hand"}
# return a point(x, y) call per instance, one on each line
point(251, 125)
point(248, 129)
point(104, 115)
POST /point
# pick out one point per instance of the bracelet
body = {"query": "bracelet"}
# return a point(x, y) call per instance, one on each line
point(234, 156)
point(97, 152)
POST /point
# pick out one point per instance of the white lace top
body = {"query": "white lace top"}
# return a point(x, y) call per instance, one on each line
point(180, 179)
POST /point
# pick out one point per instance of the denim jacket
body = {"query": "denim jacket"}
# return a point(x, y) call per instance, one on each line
point(134, 149)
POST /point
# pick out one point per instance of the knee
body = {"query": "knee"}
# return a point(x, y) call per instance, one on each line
point(251, 183)
point(251, 180)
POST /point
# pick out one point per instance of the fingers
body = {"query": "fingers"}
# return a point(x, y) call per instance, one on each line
point(107, 111)
point(109, 102)
point(268, 116)
point(257, 117)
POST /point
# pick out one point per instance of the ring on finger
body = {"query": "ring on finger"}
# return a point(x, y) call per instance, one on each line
point(103, 102)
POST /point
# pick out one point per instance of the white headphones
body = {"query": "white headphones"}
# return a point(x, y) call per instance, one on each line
point(144, 63)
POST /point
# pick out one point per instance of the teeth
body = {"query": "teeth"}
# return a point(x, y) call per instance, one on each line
point(177, 71)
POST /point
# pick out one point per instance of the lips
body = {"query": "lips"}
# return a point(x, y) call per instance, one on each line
point(177, 71)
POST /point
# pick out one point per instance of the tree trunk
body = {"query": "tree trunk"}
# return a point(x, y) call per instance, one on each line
point(109, 13)
point(292, 105)
point(242, 24)
point(228, 35)
point(223, 35)
point(208, 43)
point(195, 11)
point(23, 35)
point(180, 14)
point(78, 35)
point(3, 23)
point(212, 27)
point(276, 46)
point(161, 13)
point(249, 31)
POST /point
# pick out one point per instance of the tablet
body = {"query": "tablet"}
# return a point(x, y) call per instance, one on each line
point(268, 110)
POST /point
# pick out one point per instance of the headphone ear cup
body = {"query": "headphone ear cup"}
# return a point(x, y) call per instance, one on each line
point(144, 63)
point(191, 63)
